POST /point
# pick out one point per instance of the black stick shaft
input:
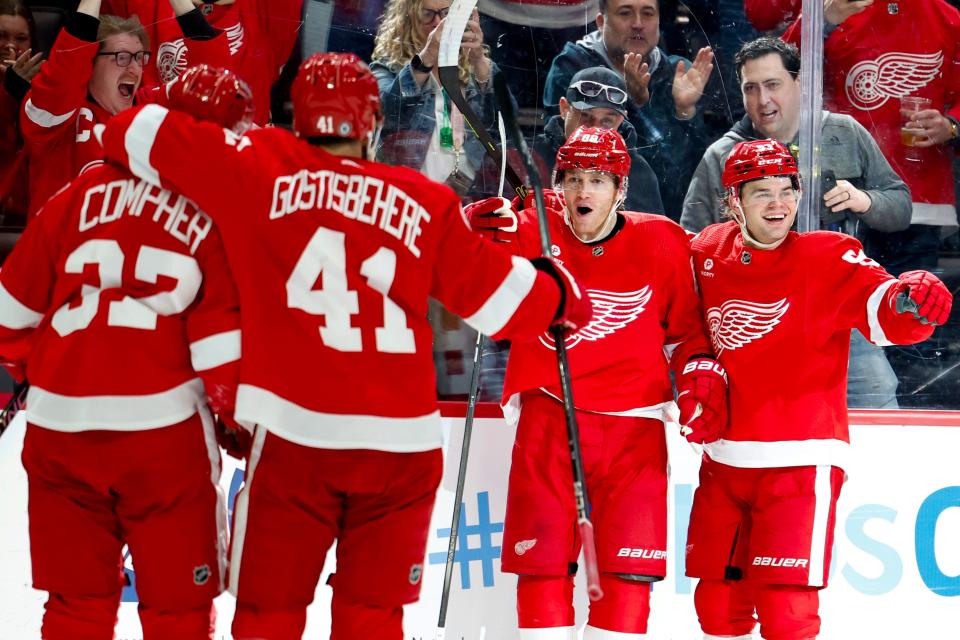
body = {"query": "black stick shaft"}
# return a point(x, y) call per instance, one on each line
point(461, 481)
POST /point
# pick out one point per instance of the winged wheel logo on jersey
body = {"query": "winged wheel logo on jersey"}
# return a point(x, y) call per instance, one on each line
point(870, 83)
point(172, 56)
point(737, 323)
point(612, 311)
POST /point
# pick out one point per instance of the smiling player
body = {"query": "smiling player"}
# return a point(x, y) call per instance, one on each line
point(636, 267)
point(780, 307)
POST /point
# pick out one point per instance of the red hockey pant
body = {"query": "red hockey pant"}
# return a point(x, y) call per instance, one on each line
point(155, 490)
point(296, 501)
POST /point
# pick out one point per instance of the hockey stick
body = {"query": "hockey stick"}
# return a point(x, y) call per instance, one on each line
point(458, 495)
point(448, 60)
point(576, 458)
point(17, 402)
point(449, 71)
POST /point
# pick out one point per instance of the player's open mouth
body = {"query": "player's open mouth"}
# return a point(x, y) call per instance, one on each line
point(777, 218)
point(584, 211)
point(126, 88)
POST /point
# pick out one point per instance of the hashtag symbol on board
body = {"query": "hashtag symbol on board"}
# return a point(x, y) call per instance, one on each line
point(485, 553)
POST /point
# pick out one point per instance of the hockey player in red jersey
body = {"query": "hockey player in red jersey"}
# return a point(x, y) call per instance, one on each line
point(780, 307)
point(335, 257)
point(647, 321)
point(114, 300)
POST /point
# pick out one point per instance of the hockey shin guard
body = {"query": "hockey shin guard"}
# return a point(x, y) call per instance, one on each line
point(545, 602)
point(80, 618)
point(725, 608)
point(254, 623)
point(352, 620)
point(788, 612)
point(196, 624)
point(624, 608)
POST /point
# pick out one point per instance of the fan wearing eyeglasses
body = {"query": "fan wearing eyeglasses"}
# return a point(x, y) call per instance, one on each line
point(422, 128)
point(664, 90)
point(596, 98)
point(91, 74)
point(259, 36)
point(95, 70)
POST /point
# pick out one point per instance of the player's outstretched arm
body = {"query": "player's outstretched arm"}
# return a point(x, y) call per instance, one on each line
point(504, 296)
point(172, 150)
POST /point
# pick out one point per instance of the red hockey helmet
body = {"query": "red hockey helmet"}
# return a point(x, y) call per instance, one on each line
point(215, 95)
point(755, 159)
point(594, 149)
point(335, 95)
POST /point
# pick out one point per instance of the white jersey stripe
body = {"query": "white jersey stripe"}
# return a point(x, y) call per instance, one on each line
point(496, 312)
point(751, 454)
point(113, 413)
point(213, 452)
point(43, 118)
point(139, 140)
point(311, 428)
point(241, 507)
point(823, 498)
point(215, 350)
point(16, 315)
point(877, 335)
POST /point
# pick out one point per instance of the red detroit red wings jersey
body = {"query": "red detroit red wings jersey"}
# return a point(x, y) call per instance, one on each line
point(117, 293)
point(888, 51)
point(645, 310)
point(335, 259)
point(780, 323)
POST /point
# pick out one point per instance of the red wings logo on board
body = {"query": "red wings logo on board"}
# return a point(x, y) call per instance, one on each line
point(612, 311)
point(737, 323)
point(870, 83)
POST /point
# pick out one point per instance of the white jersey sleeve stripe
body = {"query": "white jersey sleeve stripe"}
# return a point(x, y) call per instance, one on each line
point(114, 413)
point(877, 335)
point(139, 140)
point(496, 312)
point(16, 315)
point(43, 118)
point(215, 350)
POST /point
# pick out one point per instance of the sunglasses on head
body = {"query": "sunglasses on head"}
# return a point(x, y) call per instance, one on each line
point(592, 89)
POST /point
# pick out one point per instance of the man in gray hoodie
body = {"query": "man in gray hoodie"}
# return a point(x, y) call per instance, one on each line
point(868, 193)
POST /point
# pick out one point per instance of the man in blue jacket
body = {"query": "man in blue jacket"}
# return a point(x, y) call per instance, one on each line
point(664, 90)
